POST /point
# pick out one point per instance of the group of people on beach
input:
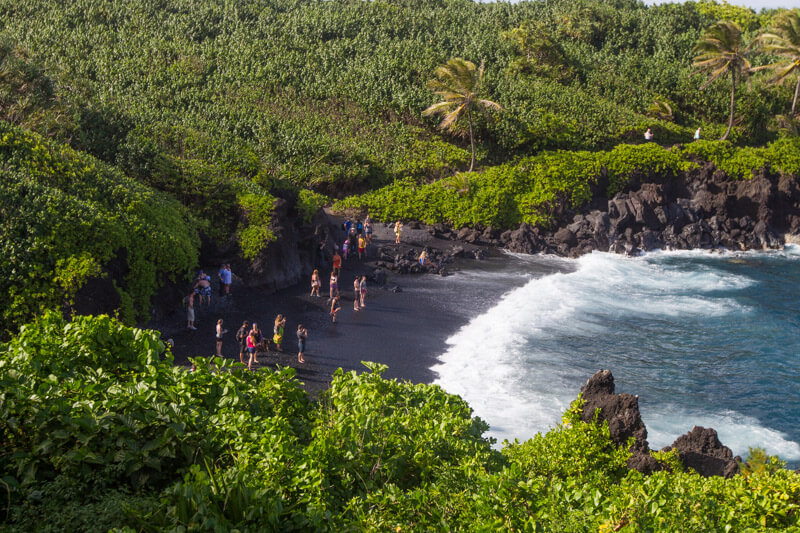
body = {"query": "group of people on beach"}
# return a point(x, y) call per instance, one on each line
point(249, 337)
point(252, 341)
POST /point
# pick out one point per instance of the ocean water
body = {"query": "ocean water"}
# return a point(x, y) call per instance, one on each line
point(703, 339)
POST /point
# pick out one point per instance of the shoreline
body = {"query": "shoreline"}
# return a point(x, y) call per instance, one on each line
point(405, 329)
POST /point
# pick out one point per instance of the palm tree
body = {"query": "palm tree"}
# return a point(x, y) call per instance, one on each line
point(719, 51)
point(458, 83)
point(784, 40)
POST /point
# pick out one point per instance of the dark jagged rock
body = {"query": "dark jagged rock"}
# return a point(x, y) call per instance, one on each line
point(701, 450)
point(620, 410)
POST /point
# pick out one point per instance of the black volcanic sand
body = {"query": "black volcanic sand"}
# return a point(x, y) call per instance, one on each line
point(405, 330)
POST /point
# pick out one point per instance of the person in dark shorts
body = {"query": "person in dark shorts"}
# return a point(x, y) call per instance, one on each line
point(241, 338)
point(302, 334)
point(335, 308)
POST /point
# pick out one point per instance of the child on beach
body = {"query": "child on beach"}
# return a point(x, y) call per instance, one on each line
point(190, 311)
point(345, 247)
point(398, 231)
point(277, 331)
point(302, 334)
point(259, 344)
point(335, 308)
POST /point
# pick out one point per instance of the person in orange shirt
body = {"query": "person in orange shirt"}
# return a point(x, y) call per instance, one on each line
point(337, 262)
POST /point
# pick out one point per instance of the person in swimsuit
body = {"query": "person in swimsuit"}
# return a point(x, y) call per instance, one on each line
point(346, 247)
point(315, 283)
point(302, 334)
point(277, 331)
point(363, 287)
point(335, 308)
point(220, 333)
point(356, 293)
point(202, 287)
point(423, 258)
point(334, 285)
point(241, 338)
point(398, 231)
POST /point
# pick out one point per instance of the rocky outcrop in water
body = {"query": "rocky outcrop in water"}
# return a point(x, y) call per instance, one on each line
point(700, 449)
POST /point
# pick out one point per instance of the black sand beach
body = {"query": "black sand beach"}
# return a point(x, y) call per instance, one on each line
point(405, 330)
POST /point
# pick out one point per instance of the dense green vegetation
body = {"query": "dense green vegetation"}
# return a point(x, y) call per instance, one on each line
point(98, 429)
point(224, 106)
point(64, 215)
point(533, 189)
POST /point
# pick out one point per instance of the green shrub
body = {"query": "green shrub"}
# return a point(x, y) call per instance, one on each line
point(66, 214)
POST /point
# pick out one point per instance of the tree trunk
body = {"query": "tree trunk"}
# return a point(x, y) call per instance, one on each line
point(733, 98)
point(796, 92)
point(471, 138)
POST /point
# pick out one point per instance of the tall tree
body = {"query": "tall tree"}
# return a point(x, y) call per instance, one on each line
point(458, 83)
point(783, 40)
point(719, 51)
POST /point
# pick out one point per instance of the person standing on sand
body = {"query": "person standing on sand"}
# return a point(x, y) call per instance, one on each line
point(356, 293)
point(302, 334)
point(335, 308)
point(316, 283)
point(362, 247)
point(368, 229)
point(252, 340)
point(337, 260)
point(334, 285)
point(220, 333)
point(277, 330)
point(259, 343)
point(363, 287)
point(241, 338)
point(190, 311)
point(398, 231)
point(345, 248)
point(202, 287)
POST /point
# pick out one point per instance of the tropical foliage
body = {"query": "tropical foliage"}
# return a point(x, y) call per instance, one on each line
point(783, 40)
point(721, 51)
point(458, 83)
point(100, 430)
point(65, 215)
point(536, 189)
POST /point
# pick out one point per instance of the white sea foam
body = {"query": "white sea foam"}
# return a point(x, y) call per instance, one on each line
point(509, 365)
point(736, 431)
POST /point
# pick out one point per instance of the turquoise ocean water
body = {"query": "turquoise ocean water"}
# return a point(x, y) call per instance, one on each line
point(703, 339)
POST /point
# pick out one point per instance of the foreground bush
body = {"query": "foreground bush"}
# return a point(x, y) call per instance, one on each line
point(99, 430)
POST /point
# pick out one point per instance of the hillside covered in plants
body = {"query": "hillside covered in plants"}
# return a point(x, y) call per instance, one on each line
point(223, 108)
point(100, 431)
